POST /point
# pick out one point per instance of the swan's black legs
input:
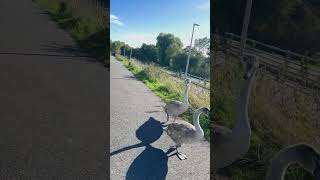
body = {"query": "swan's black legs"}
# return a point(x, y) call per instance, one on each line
point(167, 116)
point(180, 155)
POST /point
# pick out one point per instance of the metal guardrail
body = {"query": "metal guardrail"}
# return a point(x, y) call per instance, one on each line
point(202, 82)
point(294, 66)
point(255, 44)
point(199, 81)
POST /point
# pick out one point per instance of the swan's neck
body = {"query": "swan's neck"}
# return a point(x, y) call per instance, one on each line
point(242, 125)
point(284, 159)
point(186, 96)
point(196, 119)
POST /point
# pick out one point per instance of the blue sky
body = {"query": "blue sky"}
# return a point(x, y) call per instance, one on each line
point(140, 21)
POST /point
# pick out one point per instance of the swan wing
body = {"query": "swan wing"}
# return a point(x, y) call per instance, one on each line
point(180, 131)
point(174, 107)
point(173, 104)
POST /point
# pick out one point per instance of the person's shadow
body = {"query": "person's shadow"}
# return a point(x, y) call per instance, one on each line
point(152, 163)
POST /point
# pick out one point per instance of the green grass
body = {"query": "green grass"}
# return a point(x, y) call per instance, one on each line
point(279, 116)
point(168, 88)
point(89, 35)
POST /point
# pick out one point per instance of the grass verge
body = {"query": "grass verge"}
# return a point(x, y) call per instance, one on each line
point(169, 88)
point(279, 116)
point(88, 34)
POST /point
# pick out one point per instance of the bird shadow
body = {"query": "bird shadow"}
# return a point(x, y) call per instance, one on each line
point(152, 163)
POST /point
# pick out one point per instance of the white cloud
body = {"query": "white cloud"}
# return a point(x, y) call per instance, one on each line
point(137, 39)
point(115, 20)
point(204, 5)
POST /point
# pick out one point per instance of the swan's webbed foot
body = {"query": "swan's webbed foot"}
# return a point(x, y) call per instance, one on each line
point(181, 156)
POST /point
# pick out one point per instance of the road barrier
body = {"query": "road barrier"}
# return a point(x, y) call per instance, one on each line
point(293, 68)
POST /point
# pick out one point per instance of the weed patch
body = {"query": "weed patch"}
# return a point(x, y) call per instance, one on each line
point(85, 31)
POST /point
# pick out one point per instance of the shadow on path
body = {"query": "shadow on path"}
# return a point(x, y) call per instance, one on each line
point(126, 78)
point(42, 54)
point(152, 163)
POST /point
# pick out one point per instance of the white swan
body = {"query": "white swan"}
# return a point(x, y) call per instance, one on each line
point(305, 155)
point(230, 145)
point(182, 132)
point(175, 108)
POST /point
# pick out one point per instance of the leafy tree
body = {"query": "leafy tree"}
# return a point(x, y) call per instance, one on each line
point(164, 42)
point(148, 53)
point(117, 46)
point(202, 44)
point(110, 45)
point(197, 63)
point(179, 62)
point(135, 53)
point(126, 49)
point(288, 24)
point(171, 51)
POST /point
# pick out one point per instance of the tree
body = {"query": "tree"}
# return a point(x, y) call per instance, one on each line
point(202, 44)
point(288, 24)
point(148, 53)
point(117, 46)
point(171, 51)
point(127, 49)
point(136, 53)
point(165, 41)
point(110, 45)
point(179, 62)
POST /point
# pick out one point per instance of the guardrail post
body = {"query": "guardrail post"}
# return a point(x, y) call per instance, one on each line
point(304, 70)
point(282, 74)
point(286, 62)
point(253, 43)
point(215, 47)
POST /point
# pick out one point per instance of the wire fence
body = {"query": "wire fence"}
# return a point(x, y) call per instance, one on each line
point(292, 68)
point(199, 81)
point(288, 85)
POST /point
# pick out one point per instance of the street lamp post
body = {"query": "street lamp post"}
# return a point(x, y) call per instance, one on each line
point(190, 48)
point(245, 25)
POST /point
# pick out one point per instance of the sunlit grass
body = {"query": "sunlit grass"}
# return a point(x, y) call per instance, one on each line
point(85, 31)
point(279, 116)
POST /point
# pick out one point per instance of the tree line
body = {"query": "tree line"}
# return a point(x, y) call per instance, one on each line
point(169, 52)
point(288, 24)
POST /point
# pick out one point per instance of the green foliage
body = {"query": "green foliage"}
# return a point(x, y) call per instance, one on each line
point(169, 53)
point(116, 47)
point(84, 30)
point(167, 45)
point(289, 24)
point(198, 64)
point(202, 45)
point(148, 53)
point(276, 121)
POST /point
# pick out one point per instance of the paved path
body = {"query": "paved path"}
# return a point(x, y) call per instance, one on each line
point(138, 144)
point(52, 106)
